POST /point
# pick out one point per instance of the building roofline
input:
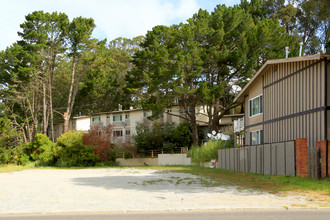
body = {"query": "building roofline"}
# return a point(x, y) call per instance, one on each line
point(79, 117)
point(241, 94)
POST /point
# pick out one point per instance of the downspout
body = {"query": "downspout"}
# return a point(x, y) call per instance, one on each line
point(326, 61)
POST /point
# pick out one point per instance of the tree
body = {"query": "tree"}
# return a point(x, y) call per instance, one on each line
point(104, 85)
point(306, 20)
point(79, 33)
point(168, 67)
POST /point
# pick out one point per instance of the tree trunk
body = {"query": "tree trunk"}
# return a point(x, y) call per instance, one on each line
point(194, 133)
point(67, 114)
point(44, 106)
point(50, 94)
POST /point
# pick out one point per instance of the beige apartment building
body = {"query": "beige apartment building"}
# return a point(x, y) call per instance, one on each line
point(123, 123)
point(288, 99)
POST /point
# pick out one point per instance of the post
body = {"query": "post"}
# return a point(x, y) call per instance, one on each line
point(327, 158)
point(152, 153)
point(235, 140)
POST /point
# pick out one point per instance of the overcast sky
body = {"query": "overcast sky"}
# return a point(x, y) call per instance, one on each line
point(113, 18)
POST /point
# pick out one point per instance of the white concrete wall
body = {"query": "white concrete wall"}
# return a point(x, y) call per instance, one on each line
point(137, 161)
point(173, 159)
point(83, 124)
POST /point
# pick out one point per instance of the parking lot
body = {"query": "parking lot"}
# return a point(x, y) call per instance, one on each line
point(122, 190)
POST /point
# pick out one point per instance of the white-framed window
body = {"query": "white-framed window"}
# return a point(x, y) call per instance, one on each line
point(169, 110)
point(145, 114)
point(127, 116)
point(117, 118)
point(108, 116)
point(118, 133)
point(96, 119)
point(256, 137)
point(127, 132)
point(256, 106)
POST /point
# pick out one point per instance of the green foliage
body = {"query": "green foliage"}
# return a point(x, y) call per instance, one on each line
point(70, 151)
point(41, 150)
point(159, 136)
point(181, 135)
point(209, 151)
point(9, 136)
point(10, 141)
point(5, 155)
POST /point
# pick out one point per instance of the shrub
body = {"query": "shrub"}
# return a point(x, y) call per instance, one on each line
point(101, 140)
point(70, 151)
point(208, 152)
point(161, 136)
point(181, 135)
point(5, 156)
point(40, 150)
point(10, 139)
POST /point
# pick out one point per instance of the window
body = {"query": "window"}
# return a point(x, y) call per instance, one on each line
point(73, 122)
point(118, 133)
point(145, 114)
point(95, 119)
point(169, 110)
point(108, 116)
point(117, 118)
point(127, 116)
point(255, 106)
point(127, 132)
point(256, 137)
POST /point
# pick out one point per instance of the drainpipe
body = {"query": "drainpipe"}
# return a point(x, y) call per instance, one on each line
point(286, 52)
point(300, 48)
point(326, 61)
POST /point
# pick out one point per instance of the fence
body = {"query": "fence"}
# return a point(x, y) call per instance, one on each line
point(268, 159)
point(154, 153)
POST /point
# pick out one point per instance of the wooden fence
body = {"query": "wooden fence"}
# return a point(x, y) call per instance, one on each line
point(154, 153)
point(268, 159)
point(314, 165)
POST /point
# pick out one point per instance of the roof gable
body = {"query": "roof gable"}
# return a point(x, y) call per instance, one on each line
point(260, 72)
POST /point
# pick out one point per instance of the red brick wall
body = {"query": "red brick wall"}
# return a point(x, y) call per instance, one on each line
point(322, 146)
point(301, 157)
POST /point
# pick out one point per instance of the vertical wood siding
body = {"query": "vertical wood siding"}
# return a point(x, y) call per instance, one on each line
point(293, 103)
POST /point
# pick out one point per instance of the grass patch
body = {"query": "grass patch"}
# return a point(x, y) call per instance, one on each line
point(8, 168)
point(152, 182)
point(272, 184)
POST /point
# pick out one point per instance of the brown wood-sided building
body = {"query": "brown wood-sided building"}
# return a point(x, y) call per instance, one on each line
point(288, 99)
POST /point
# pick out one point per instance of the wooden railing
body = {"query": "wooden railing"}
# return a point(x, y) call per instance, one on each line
point(154, 153)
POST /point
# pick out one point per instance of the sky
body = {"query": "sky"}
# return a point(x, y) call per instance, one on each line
point(113, 18)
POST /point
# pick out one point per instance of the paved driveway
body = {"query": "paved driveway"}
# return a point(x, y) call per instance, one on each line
point(107, 190)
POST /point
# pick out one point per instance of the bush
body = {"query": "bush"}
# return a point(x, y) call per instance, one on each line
point(208, 152)
point(161, 136)
point(101, 140)
point(5, 156)
point(181, 135)
point(70, 151)
point(40, 150)
point(10, 139)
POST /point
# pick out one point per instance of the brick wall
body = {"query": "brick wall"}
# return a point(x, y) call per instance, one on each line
point(322, 146)
point(301, 157)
